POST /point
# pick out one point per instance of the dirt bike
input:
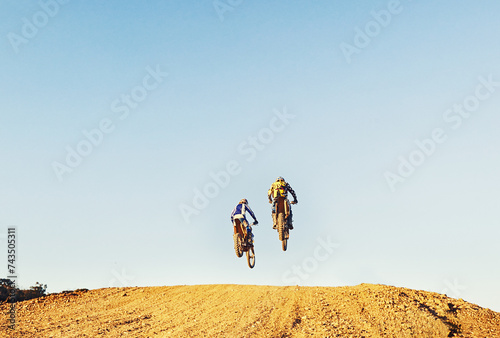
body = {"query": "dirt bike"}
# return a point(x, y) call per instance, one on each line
point(282, 219)
point(244, 243)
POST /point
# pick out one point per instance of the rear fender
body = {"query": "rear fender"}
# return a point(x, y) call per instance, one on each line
point(238, 228)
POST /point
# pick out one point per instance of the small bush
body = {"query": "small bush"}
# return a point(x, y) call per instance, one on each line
point(7, 287)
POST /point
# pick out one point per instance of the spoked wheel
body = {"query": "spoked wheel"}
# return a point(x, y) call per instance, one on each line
point(283, 231)
point(251, 257)
point(281, 226)
point(237, 245)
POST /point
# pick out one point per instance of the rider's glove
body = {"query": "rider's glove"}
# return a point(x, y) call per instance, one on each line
point(295, 202)
point(256, 222)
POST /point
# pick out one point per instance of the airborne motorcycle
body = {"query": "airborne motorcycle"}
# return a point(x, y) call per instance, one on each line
point(282, 218)
point(243, 241)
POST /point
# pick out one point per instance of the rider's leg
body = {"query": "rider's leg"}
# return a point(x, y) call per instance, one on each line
point(274, 213)
point(290, 217)
point(248, 231)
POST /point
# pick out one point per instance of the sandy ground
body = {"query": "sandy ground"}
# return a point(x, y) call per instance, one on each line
point(365, 310)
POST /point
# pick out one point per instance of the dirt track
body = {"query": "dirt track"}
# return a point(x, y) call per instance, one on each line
point(252, 311)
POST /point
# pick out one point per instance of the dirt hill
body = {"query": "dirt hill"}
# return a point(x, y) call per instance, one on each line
point(251, 311)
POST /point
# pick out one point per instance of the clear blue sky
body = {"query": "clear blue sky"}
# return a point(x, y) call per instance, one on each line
point(113, 116)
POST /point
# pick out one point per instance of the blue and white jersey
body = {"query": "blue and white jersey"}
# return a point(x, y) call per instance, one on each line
point(240, 209)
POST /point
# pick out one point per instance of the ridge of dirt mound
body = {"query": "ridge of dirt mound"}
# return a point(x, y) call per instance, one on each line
point(364, 310)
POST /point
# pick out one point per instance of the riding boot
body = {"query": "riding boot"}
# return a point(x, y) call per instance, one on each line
point(290, 220)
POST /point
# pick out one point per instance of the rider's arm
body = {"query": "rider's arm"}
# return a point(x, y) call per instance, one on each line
point(251, 213)
point(292, 192)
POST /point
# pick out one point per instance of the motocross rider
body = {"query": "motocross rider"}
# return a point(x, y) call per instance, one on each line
point(239, 213)
point(281, 188)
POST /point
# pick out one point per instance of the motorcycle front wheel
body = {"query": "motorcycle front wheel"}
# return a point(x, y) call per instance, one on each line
point(251, 257)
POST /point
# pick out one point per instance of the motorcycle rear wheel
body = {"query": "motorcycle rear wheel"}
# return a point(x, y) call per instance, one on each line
point(237, 245)
point(282, 231)
point(281, 226)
